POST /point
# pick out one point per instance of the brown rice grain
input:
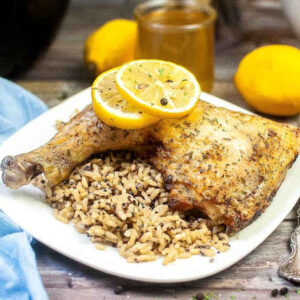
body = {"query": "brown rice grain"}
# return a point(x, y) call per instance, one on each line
point(121, 201)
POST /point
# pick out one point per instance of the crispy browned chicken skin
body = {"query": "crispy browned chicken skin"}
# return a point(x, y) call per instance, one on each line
point(226, 164)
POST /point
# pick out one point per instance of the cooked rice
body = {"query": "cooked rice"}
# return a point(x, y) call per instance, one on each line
point(120, 200)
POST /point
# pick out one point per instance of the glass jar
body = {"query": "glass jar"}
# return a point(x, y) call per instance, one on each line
point(180, 31)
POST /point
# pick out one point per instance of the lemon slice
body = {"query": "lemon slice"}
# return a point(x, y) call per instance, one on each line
point(112, 109)
point(159, 88)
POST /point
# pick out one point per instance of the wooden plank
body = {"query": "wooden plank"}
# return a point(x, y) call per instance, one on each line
point(228, 91)
point(64, 60)
point(53, 92)
point(159, 294)
point(254, 275)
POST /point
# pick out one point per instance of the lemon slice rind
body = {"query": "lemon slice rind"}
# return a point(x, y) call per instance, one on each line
point(116, 117)
point(155, 109)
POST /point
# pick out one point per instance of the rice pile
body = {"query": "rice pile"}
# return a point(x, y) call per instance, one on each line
point(120, 200)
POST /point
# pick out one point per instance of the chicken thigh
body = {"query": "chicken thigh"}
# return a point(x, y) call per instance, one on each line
point(226, 164)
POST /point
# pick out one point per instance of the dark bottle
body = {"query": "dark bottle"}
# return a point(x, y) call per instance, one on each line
point(228, 23)
point(27, 28)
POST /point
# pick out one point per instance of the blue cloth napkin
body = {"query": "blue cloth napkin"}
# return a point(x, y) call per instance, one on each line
point(19, 277)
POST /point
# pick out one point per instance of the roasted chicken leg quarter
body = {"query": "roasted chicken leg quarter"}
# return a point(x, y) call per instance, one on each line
point(226, 164)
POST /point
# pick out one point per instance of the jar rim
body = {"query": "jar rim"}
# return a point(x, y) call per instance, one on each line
point(141, 9)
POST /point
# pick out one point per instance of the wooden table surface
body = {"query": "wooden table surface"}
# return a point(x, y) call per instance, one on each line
point(61, 73)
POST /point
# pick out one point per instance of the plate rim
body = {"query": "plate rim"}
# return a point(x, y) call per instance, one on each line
point(257, 242)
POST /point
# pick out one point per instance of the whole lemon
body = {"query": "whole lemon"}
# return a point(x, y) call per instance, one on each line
point(269, 79)
point(111, 45)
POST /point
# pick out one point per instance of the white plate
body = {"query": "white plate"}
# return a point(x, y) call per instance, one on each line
point(25, 207)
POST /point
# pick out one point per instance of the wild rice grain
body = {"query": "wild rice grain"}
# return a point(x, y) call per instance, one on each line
point(121, 201)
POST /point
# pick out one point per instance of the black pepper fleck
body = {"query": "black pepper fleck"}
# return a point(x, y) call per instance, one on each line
point(163, 101)
point(169, 179)
point(284, 291)
point(118, 290)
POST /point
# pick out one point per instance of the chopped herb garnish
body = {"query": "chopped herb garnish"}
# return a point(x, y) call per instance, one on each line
point(129, 69)
point(149, 75)
point(298, 292)
point(233, 297)
point(161, 71)
point(209, 296)
point(184, 79)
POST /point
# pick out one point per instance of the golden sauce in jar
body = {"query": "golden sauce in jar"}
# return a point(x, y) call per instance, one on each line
point(183, 35)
